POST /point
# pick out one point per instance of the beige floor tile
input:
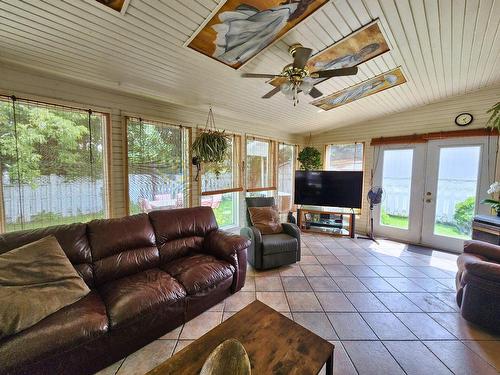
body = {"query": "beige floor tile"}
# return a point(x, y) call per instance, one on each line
point(377, 284)
point(328, 259)
point(428, 303)
point(268, 284)
point(461, 328)
point(313, 270)
point(275, 300)
point(239, 300)
point(308, 259)
point(350, 284)
point(387, 327)
point(415, 358)
point(351, 326)
point(295, 284)
point(371, 357)
point(402, 284)
point(172, 335)
point(303, 301)
point(147, 358)
point(337, 270)
point(200, 325)
point(488, 350)
point(181, 344)
point(342, 365)
point(323, 284)
point(366, 302)
point(362, 271)
point(317, 323)
point(335, 302)
point(386, 271)
point(397, 302)
point(249, 284)
point(112, 369)
point(293, 270)
point(459, 358)
point(424, 327)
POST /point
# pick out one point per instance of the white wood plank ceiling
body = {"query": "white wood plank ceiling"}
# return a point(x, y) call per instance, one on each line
point(445, 48)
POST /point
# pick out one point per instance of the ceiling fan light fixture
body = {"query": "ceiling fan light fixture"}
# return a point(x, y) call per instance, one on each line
point(286, 88)
point(307, 85)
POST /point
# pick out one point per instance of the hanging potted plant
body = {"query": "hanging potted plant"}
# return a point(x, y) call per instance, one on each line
point(494, 120)
point(210, 146)
point(309, 157)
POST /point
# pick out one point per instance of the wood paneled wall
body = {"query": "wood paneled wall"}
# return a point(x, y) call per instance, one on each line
point(439, 116)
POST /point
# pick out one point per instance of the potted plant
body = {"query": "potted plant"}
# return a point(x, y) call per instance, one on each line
point(494, 120)
point(309, 158)
point(210, 146)
point(494, 203)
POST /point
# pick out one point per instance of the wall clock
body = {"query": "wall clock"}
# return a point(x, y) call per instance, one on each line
point(463, 119)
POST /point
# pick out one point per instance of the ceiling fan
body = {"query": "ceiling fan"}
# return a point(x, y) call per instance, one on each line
point(298, 77)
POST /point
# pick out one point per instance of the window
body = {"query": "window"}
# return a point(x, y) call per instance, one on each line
point(345, 157)
point(220, 185)
point(158, 167)
point(286, 173)
point(260, 165)
point(52, 165)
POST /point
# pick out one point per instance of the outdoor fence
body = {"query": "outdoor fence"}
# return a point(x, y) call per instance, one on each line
point(450, 192)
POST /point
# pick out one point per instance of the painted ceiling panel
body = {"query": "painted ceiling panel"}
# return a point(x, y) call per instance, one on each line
point(444, 48)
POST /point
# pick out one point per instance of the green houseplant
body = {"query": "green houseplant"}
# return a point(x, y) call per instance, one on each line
point(210, 146)
point(309, 158)
point(494, 120)
point(494, 203)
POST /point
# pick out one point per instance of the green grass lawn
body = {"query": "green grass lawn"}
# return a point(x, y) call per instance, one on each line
point(439, 229)
point(224, 213)
point(45, 220)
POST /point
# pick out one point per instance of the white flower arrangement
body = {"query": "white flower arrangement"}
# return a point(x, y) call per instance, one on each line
point(494, 203)
point(494, 188)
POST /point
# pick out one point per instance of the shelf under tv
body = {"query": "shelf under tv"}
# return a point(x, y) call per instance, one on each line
point(335, 222)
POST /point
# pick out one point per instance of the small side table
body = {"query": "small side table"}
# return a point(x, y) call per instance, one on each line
point(486, 228)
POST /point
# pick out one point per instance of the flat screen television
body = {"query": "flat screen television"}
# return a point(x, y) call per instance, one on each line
point(329, 188)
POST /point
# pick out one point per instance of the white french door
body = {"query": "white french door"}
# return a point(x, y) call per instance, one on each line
point(432, 190)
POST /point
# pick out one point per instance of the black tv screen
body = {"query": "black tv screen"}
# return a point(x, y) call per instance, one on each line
point(329, 188)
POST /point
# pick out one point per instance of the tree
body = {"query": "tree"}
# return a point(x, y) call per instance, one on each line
point(48, 141)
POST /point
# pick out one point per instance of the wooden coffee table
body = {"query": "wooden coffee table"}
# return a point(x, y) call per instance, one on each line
point(274, 343)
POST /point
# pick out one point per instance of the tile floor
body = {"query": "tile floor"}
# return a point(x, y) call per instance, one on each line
point(388, 308)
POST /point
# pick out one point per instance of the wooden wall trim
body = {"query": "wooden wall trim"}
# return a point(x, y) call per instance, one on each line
point(423, 138)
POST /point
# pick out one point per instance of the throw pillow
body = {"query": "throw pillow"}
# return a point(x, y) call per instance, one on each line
point(266, 219)
point(36, 280)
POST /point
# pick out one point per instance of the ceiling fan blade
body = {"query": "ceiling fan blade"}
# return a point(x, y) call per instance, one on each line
point(335, 72)
point(301, 56)
point(256, 75)
point(271, 93)
point(315, 93)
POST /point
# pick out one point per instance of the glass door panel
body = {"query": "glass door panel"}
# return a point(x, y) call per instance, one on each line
point(396, 182)
point(456, 191)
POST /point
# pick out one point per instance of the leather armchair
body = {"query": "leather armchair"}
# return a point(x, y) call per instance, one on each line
point(478, 284)
point(271, 250)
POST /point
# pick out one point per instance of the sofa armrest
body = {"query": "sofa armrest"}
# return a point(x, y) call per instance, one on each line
point(484, 249)
point(479, 266)
point(255, 248)
point(294, 231)
point(231, 248)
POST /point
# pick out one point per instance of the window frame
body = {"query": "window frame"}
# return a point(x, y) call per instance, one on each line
point(294, 168)
point(326, 159)
point(272, 170)
point(106, 143)
point(186, 143)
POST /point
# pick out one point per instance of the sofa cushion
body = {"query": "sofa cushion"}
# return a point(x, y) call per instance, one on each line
point(130, 297)
point(73, 325)
point(122, 247)
point(72, 238)
point(199, 272)
point(180, 232)
point(36, 280)
point(278, 243)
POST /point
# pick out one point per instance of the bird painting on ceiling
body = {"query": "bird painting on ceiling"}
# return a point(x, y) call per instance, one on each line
point(239, 30)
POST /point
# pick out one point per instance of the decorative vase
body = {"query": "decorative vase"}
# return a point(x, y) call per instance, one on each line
point(230, 357)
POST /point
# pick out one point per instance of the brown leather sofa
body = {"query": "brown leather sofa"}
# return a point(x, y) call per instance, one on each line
point(148, 274)
point(478, 284)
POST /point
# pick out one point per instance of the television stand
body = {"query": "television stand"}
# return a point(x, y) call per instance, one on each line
point(336, 223)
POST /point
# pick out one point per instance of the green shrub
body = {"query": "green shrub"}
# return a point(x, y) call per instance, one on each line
point(464, 212)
